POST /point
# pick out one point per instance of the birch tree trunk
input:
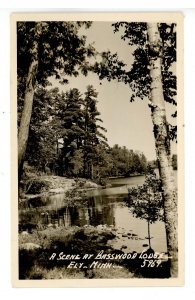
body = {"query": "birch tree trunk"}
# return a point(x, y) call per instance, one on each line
point(27, 109)
point(162, 144)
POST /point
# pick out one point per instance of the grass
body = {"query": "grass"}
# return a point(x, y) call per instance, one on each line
point(35, 263)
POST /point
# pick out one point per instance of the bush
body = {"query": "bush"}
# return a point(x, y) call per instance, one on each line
point(37, 186)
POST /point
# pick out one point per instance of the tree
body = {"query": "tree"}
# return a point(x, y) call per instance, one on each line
point(74, 119)
point(174, 161)
point(93, 135)
point(71, 114)
point(151, 78)
point(41, 149)
point(163, 144)
point(145, 201)
point(127, 162)
point(103, 163)
point(76, 163)
point(46, 49)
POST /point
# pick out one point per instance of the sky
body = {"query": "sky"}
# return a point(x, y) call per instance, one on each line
point(128, 124)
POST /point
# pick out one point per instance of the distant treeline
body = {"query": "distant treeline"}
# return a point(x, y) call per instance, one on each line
point(66, 138)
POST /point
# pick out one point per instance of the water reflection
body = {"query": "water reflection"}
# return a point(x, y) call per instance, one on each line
point(102, 207)
point(96, 212)
point(100, 212)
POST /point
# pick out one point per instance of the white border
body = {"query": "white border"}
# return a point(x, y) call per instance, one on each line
point(5, 220)
point(136, 17)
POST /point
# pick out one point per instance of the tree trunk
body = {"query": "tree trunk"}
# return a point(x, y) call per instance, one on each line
point(92, 171)
point(149, 238)
point(27, 109)
point(162, 144)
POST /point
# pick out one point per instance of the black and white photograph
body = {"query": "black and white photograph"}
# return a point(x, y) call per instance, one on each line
point(97, 194)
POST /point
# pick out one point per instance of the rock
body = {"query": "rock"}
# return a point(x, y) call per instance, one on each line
point(100, 227)
point(101, 239)
point(30, 246)
point(123, 247)
point(56, 191)
point(90, 227)
point(89, 184)
point(24, 232)
point(32, 197)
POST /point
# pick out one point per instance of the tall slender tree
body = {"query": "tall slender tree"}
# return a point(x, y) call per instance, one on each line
point(41, 148)
point(162, 143)
point(46, 49)
point(72, 115)
point(151, 77)
point(93, 135)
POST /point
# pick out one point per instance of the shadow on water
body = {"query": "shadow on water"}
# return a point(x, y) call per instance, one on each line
point(101, 208)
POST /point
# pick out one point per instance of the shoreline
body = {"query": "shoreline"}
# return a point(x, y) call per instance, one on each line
point(38, 186)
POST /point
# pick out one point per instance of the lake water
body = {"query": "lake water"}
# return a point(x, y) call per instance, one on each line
point(103, 207)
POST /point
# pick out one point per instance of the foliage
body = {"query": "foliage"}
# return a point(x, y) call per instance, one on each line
point(46, 50)
point(138, 77)
point(41, 148)
point(61, 49)
point(127, 162)
point(66, 137)
point(93, 136)
point(110, 67)
point(76, 162)
point(146, 201)
point(70, 113)
point(62, 52)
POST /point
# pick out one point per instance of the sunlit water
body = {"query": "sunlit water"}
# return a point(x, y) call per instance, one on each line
point(102, 207)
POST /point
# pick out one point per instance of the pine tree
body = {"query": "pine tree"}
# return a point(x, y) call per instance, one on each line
point(46, 49)
point(71, 114)
point(41, 149)
point(92, 131)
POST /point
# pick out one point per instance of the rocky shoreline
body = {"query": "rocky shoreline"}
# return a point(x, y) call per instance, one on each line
point(36, 245)
point(39, 243)
point(36, 187)
point(46, 252)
